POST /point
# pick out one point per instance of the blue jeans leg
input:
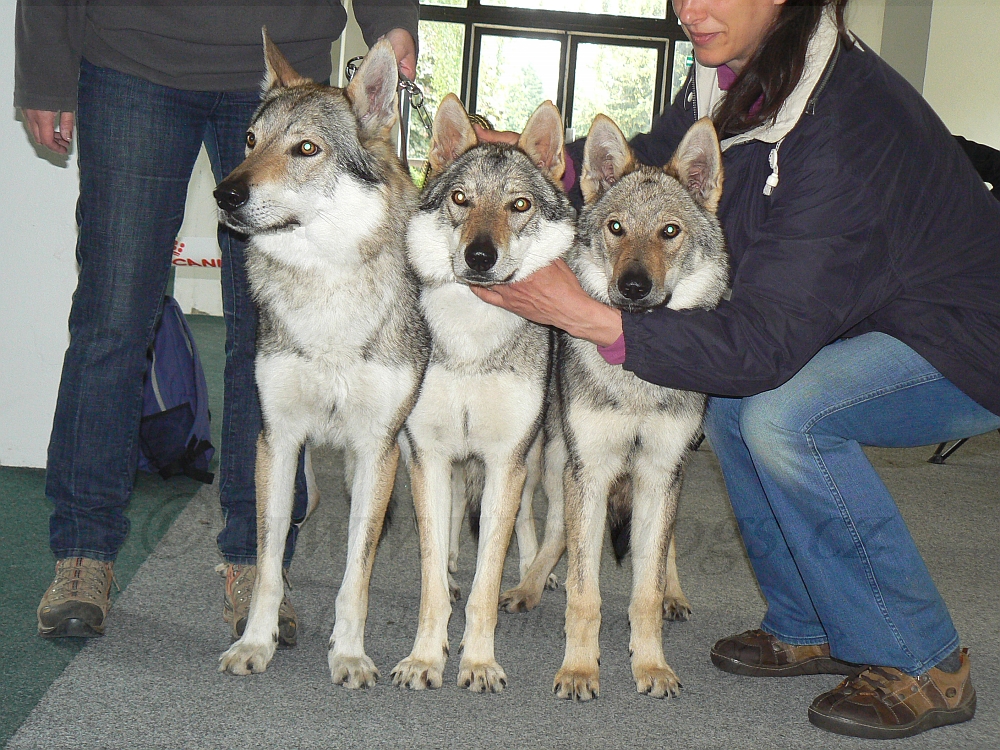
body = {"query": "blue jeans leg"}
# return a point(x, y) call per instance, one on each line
point(136, 151)
point(843, 564)
point(225, 141)
point(138, 143)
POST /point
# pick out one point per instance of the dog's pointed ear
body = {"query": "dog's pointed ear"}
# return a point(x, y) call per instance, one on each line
point(372, 91)
point(697, 164)
point(278, 72)
point(452, 134)
point(543, 140)
point(606, 157)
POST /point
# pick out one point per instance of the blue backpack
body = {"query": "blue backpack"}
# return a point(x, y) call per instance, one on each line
point(174, 435)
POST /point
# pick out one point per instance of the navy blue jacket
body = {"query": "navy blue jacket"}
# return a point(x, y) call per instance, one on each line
point(879, 223)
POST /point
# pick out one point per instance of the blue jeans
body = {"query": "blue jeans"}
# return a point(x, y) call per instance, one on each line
point(138, 143)
point(831, 553)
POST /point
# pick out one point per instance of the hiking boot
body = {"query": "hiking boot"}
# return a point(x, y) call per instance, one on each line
point(759, 654)
point(236, 606)
point(884, 703)
point(77, 602)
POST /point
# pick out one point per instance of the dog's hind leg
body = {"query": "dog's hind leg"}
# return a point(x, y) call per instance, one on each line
point(675, 604)
point(524, 524)
point(374, 475)
point(312, 489)
point(430, 481)
point(538, 576)
point(656, 486)
point(459, 500)
point(277, 461)
point(478, 670)
point(585, 509)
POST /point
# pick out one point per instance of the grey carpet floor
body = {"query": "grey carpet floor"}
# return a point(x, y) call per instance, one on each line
point(152, 681)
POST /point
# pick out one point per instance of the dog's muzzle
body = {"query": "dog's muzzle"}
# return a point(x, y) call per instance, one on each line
point(635, 284)
point(481, 255)
point(231, 195)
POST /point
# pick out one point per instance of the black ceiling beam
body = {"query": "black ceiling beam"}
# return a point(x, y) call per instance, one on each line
point(547, 20)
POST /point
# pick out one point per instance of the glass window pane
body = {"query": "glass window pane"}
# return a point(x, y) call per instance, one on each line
point(616, 80)
point(451, 3)
point(638, 8)
point(439, 70)
point(515, 76)
point(683, 60)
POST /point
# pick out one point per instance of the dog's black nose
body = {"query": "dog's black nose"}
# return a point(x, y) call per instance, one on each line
point(231, 195)
point(481, 254)
point(635, 284)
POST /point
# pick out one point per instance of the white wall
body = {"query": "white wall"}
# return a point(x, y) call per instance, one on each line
point(865, 18)
point(962, 80)
point(39, 273)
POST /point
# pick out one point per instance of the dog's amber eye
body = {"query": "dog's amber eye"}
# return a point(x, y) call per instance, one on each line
point(670, 231)
point(460, 198)
point(615, 227)
point(251, 139)
point(308, 148)
point(521, 205)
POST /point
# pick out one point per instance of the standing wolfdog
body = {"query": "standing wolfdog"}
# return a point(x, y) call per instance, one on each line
point(490, 214)
point(647, 238)
point(341, 345)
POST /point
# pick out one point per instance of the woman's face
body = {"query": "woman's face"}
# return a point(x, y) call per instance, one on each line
point(726, 32)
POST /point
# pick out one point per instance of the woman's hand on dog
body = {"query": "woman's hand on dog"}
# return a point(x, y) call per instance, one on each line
point(553, 296)
point(496, 136)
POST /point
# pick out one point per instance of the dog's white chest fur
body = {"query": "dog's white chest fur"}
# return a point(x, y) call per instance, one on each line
point(464, 327)
point(468, 404)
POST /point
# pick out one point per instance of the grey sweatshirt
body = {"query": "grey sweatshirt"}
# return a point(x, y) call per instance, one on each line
point(183, 44)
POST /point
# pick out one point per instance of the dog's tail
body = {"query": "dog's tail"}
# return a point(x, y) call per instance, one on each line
point(620, 516)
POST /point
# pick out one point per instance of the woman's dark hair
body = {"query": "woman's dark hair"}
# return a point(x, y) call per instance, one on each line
point(774, 70)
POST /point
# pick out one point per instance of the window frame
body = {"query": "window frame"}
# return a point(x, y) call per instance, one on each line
point(571, 28)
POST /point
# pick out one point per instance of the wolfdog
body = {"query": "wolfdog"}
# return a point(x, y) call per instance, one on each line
point(489, 214)
point(341, 344)
point(647, 238)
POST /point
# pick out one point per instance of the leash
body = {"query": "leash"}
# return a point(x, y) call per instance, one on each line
point(414, 96)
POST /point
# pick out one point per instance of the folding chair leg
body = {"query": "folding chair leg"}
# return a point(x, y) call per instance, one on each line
point(941, 454)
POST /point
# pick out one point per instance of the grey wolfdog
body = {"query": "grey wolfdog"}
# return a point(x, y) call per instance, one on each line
point(647, 238)
point(490, 214)
point(341, 345)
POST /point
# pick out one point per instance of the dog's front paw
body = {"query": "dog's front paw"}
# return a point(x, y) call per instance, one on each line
point(352, 671)
point(481, 677)
point(245, 657)
point(676, 608)
point(657, 681)
point(577, 684)
point(520, 599)
point(418, 674)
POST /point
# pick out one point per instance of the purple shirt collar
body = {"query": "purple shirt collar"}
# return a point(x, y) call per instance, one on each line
point(727, 77)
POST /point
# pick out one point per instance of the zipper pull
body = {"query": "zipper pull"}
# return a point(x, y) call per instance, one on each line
point(772, 179)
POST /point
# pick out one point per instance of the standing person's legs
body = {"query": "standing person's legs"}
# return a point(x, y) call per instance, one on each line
point(225, 141)
point(137, 145)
